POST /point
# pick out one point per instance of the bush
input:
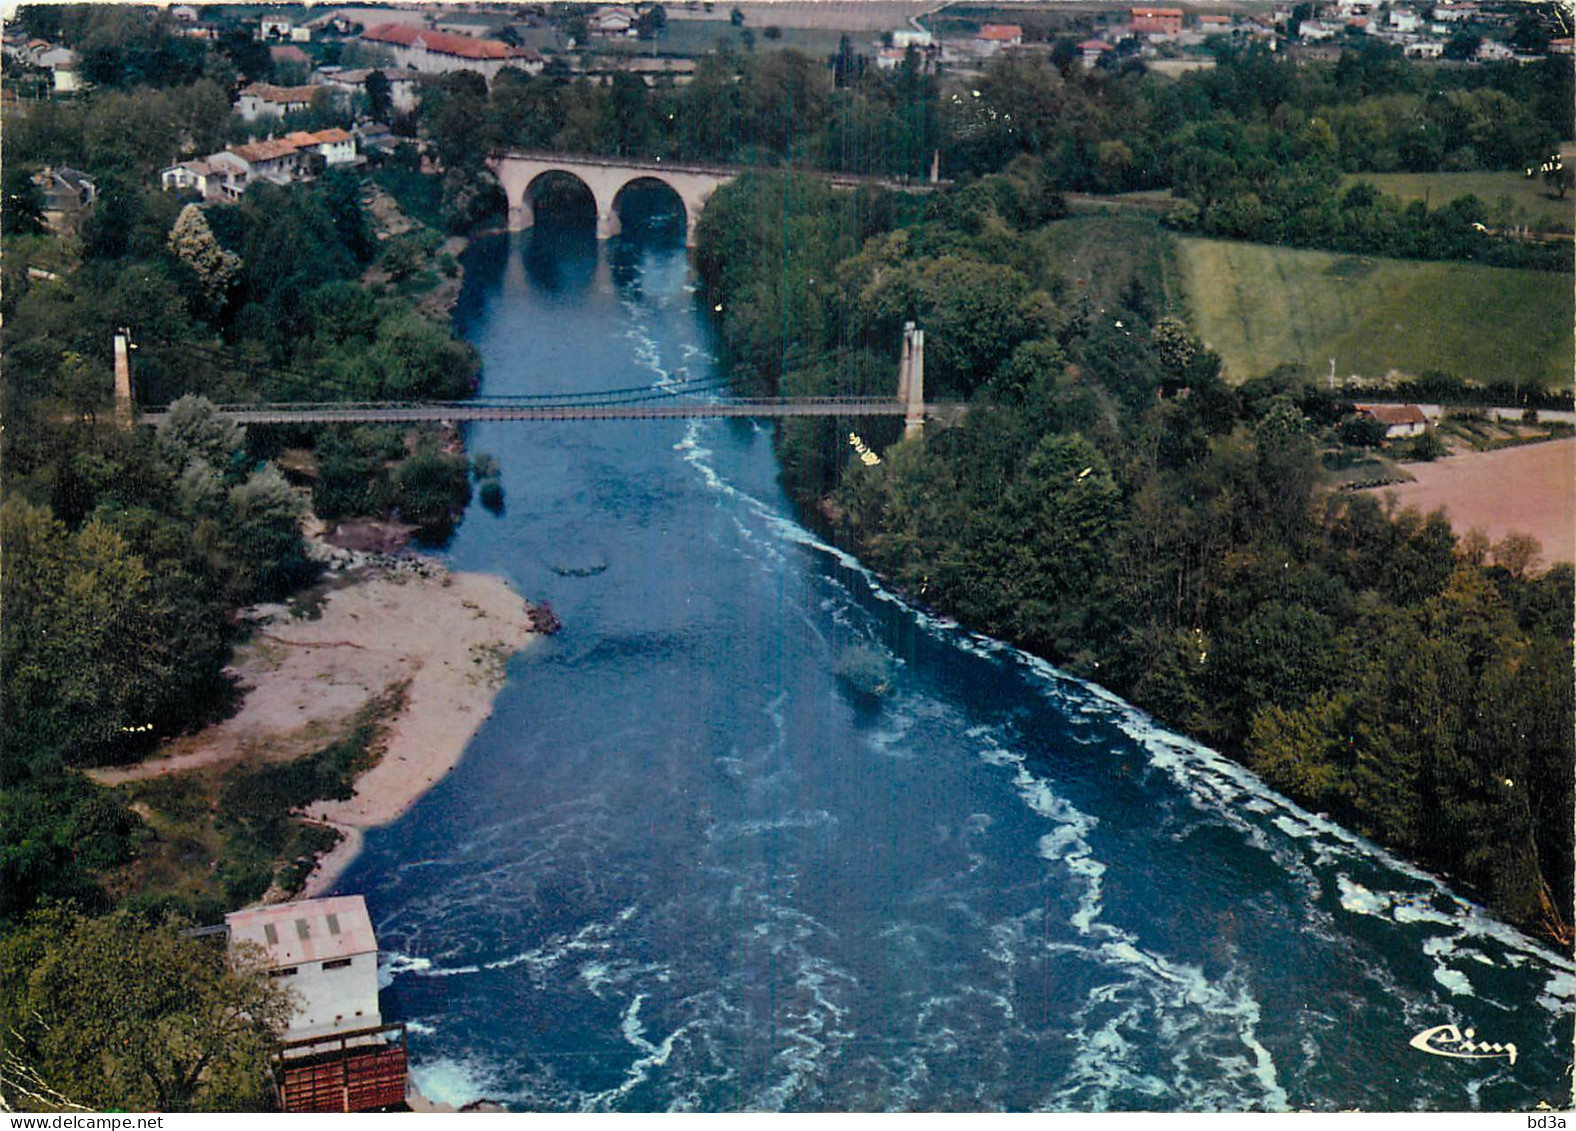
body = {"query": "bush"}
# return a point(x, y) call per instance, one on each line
point(866, 671)
point(1427, 447)
point(1362, 432)
point(432, 488)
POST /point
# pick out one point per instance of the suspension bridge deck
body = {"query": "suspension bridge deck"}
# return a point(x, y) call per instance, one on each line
point(458, 411)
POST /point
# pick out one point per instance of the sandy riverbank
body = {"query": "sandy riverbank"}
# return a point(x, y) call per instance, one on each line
point(446, 636)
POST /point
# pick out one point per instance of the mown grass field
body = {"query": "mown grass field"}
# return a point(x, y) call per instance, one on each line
point(1260, 306)
point(1528, 201)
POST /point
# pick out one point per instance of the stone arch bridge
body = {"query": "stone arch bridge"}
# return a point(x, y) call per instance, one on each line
point(520, 171)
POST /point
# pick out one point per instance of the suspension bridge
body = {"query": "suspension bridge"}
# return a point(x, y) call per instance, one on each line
point(671, 400)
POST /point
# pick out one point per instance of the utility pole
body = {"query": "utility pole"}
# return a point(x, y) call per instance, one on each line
point(125, 407)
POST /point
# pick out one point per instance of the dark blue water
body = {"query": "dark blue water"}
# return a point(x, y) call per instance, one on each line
point(684, 866)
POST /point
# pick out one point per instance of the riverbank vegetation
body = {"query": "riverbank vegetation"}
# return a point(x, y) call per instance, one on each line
point(128, 554)
point(1111, 503)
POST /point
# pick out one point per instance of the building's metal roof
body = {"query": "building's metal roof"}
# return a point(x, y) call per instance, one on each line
point(310, 930)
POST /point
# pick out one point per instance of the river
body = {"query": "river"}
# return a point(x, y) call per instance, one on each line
point(686, 866)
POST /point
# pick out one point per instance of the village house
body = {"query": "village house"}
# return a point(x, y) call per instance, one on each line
point(906, 37)
point(224, 176)
point(601, 69)
point(993, 37)
point(191, 176)
point(68, 196)
point(219, 177)
point(377, 139)
point(61, 62)
point(1156, 21)
point(1398, 419)
point(264, 100)
point(184, 13)
point(278, 27)
point(336, 1054)
point(439, 52)
point(402, 85)
point(335, 146)
point(613, 22)
point(275, 160)
point(1090, 51)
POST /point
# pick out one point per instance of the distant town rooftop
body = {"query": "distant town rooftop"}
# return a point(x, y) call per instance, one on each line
point(444, 43)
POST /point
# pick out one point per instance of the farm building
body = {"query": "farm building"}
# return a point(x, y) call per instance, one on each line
point(438, 52)
point(993, 37)
point(337, 1055)
point(1156, 21)
point(1398, 419)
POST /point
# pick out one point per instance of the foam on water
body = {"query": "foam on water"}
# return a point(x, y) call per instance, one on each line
point(447, 1080)
point(654, 1056)
point(1309, 846)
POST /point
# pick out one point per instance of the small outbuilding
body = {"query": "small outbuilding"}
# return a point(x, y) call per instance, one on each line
point(1398, 419)
point(337, 1055)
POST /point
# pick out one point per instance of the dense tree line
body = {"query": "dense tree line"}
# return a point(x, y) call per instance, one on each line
point(125, 554)
point(1109, 502)
point(1254, 149)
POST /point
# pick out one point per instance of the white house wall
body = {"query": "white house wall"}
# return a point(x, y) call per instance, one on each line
point(333, 1000)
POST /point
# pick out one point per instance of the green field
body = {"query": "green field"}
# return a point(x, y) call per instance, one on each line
point(1259, 306)
point(1528, 203)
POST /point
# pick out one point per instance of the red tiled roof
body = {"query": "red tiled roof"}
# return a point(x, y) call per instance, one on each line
point(1094, 45)
point(260, 151)
point(289, 53)
point(403, 35)
point(270, 93)
point(1000, 31)
point(1393, 414)
point(325, 137)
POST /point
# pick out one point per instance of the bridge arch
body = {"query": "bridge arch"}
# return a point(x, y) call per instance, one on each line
point(644, 183)
point(606, 177)
point(560, 182)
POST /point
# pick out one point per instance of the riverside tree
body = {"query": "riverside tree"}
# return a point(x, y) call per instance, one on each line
point(192, 242)
point(116, 1013)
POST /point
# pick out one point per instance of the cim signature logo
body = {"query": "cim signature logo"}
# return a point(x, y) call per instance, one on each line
point(1447, 1040)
